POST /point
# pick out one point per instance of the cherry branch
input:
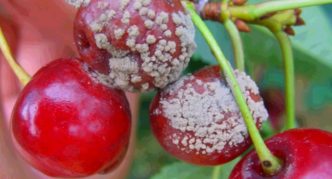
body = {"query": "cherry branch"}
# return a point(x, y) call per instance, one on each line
point(253, 13)
point(273, 6)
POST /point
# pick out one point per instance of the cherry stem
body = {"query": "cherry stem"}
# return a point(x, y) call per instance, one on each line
point(270, 163)
point(237, 44)
point(216, 172)
point(288, 60)
point(256, 11)
point(22, 75)
point(238, 55)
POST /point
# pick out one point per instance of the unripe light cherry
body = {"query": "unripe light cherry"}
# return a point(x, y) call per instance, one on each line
point(305, 153)
point(197, 120)
point(134, 45)
point(66, 124)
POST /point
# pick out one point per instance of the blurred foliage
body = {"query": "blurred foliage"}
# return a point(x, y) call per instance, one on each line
point(313, 64)
point(180, 170)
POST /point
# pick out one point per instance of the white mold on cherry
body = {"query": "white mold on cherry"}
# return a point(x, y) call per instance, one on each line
point(161, 49)
point(206, 115)
point(78, 3)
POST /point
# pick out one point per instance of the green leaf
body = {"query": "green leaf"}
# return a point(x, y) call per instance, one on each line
point(180, 170)
point(315, 38)
point(203, 51)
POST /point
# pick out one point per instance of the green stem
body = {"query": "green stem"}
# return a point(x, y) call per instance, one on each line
point(216, 169)
point(216, 172)
point(237, 44)
point(19, 72)
point(287, 54)
point(270, 163)
point(253, 12)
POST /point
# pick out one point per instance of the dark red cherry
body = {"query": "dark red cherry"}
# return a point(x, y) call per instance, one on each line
point(305, 154)
point(135, 44)
point(274, 100)
point(67, 125)
point(197, 120)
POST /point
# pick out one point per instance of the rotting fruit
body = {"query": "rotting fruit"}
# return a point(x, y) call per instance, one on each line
point(135, 45)
point(67, 125)
point(304, 153)
point(197, 120)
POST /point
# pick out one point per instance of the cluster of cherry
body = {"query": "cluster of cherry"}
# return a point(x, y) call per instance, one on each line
point(73, 119)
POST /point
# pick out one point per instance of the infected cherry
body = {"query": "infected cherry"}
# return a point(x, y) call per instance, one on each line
point(305, 153)
point(67, 125)
point(197, 120)
point(135, 45)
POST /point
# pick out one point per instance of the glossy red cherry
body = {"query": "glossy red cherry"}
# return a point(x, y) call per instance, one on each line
point(135, 44)
point(67, 125)
point(197, 120)
point(305, 153)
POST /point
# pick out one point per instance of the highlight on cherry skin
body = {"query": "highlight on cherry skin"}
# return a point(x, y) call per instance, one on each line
point(135, 45)
point(304, 154)
point(66, 124)
point(197, 120)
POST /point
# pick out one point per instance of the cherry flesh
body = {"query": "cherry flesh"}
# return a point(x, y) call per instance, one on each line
point(67, 125)
point(197, 120)
point(135, 45)
point(305, 153)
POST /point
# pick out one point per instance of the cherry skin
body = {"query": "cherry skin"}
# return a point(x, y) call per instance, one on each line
point(135, 45)
point(305, 153)
point(67, 125)
point(197, 120)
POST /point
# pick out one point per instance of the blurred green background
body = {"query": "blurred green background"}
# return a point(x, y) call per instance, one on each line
point(312, 47)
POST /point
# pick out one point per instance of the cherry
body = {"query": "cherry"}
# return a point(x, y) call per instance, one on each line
point(197, 120)
point(135, 45)
point(305, 153)
point(274, 101)
point(68, 125)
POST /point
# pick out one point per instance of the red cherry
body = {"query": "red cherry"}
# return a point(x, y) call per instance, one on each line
point(274, 101)
point(135, 44)
point(305, 153)
point(68, 125)
point(197, 120)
